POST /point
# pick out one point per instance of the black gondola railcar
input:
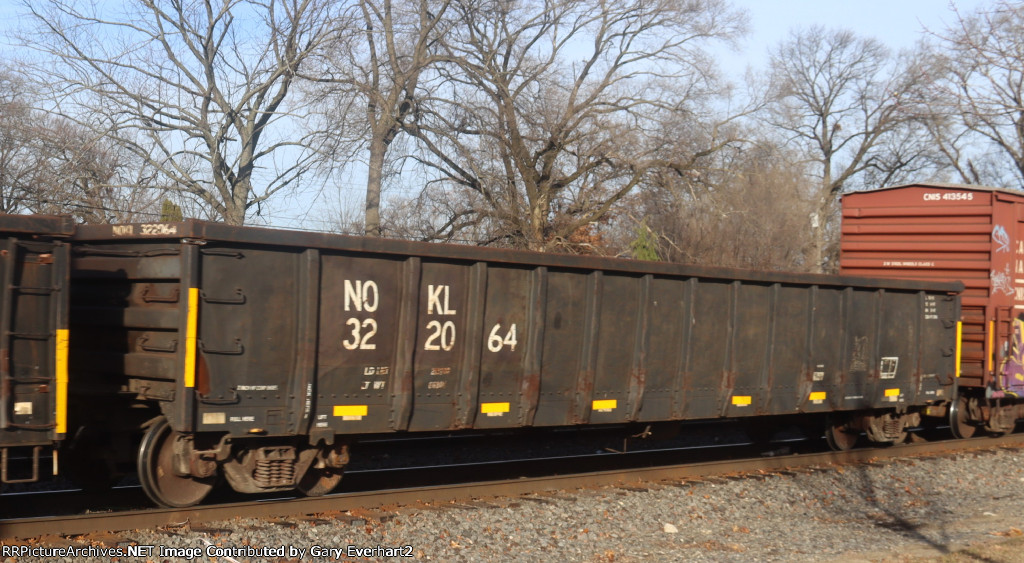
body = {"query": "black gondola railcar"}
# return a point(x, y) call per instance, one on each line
point(262, 354)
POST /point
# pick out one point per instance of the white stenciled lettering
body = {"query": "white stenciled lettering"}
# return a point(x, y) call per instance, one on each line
point(949, 196)
point(435, 305)
point(361, 295)
point(361, 334)
point(442, 336)
point(159, 229)
point(445, 333)
point(907, 264)
point(495, 342)
point(931, 308)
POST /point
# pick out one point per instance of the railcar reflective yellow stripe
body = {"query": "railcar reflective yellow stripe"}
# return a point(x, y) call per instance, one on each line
point(62, 381)
point(817, 396)
point(191, 328)
point(959, 345)
point(605, 405)
point(350, 410)
point(892, 392)
point(486, 408)
point(991, 337)
point(741, 400)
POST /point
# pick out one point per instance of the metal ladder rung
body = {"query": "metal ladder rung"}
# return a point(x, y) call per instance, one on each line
point(25, 288)
point(27, 336)
point(47, 426)
point(35, 467)
point(27, 380)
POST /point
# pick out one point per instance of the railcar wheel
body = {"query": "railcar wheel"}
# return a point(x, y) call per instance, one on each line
point(318, 481)
point(156, 470)
point(958, 423)
point(839, 435)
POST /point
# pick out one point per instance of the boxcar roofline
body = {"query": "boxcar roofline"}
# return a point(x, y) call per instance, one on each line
point(207, 231)
point(939, 185)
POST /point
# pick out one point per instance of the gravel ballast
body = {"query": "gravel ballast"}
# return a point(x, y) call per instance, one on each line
point(922, 507)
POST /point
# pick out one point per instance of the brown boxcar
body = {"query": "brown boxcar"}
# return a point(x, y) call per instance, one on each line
point(265, 353)
point(34, 341)
point(953, 232)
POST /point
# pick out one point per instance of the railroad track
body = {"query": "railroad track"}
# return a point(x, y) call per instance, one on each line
point(302, 507)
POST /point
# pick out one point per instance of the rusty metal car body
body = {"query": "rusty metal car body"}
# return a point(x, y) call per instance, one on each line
point(972, 234)
point(263, 354)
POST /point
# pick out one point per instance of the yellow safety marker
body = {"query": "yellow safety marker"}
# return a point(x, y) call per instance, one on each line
point(191, 328)
point(605, 405)
point(741, 400)
point(493, 408)
point(350, 410)
point(817, 397)
point(959, 345)
point(62, 381)
point(892, 392)
point(991, 337)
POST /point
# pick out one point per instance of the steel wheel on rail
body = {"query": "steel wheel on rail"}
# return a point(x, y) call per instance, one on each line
point(839, 435)
point(958, 423)
point(318, 481)
point(156, 470)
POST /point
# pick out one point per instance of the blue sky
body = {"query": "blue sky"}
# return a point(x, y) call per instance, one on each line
point(896, 23)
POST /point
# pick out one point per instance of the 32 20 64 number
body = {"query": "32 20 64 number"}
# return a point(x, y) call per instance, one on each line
point(362, 332)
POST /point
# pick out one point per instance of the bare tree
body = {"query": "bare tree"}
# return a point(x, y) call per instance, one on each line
point(977, 105)
point(746, 208)
point(91, 178)
point(196, 89)
point(371, 78)
point(19, 159)
point(437, 215)
point(50, 165)
point(550, 111)
point(841, 99)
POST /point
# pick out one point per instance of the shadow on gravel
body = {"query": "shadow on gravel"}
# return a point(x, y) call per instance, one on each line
point(910, 514)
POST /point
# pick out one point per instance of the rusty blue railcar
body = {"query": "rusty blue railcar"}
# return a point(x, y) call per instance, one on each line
point(33, 343)
point(263, 354)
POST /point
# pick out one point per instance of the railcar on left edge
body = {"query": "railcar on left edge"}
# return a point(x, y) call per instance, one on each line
point(34, 254)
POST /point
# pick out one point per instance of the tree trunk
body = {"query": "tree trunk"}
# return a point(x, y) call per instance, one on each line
point(234, 210)
point(815, 251)
point(374, 179)
point(539, 212)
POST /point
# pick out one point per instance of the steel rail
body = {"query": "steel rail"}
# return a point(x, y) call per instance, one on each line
point(154, 518)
